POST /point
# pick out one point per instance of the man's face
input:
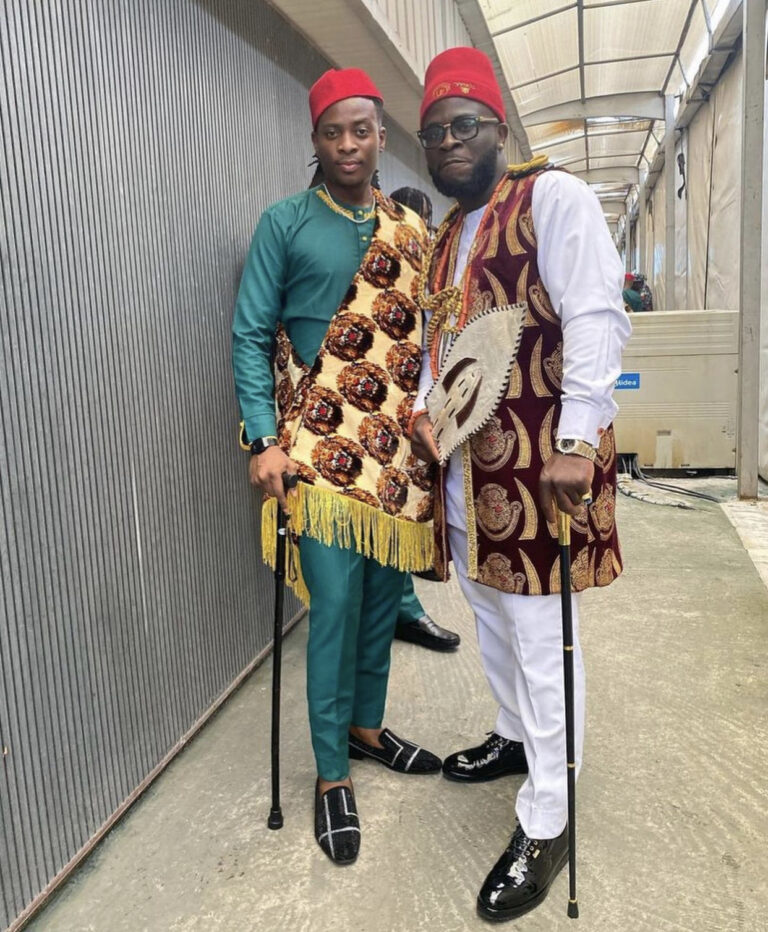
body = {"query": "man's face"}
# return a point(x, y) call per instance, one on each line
point(347, 141)
point(464, 169)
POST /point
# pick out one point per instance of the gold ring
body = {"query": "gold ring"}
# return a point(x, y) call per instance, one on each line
point(587, 498)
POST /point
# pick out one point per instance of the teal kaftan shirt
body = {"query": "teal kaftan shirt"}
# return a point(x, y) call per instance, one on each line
point(302, 259)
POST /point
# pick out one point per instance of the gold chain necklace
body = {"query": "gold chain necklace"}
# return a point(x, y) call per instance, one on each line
point(325, 196)
point(446, 304)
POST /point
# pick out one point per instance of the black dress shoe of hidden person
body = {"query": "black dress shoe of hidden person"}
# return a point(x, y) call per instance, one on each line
point(337, 826)
point(495, 757)
point(396, 753)
point(428, 633)
point(522, 876)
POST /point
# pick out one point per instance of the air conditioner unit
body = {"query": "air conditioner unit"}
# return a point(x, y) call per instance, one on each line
point(677, 394)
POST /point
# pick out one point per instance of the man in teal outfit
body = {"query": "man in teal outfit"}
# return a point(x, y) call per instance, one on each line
point(306, 251)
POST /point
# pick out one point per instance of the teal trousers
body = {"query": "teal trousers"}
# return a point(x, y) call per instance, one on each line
point(353, 607)
point(410, 608)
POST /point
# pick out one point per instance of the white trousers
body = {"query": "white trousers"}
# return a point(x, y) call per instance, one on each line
point(521, 644)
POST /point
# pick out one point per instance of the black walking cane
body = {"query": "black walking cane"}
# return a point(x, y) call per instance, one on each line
point(275, 819)
point(564, 539)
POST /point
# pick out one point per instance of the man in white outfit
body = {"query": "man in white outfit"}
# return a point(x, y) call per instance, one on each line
point(533, 234)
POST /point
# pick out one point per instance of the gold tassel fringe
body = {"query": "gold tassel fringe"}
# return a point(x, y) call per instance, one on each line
point(524, 168)
point(332, 518)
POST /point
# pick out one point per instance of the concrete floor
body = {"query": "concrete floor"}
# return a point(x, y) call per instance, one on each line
point(672, 802)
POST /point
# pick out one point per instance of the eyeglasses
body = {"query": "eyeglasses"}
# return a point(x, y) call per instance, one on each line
point(462, 128)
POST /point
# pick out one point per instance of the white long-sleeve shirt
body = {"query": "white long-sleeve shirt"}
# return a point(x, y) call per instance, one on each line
point(583, 274)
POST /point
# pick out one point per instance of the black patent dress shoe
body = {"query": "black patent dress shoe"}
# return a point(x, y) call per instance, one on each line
point(495, 757)
point(522, 876)
point(429, 575)
point(396, 753)
point(337, 826)
point(428, 633)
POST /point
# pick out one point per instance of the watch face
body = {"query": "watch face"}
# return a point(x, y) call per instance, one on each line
point(260, 445)
point(565, 445)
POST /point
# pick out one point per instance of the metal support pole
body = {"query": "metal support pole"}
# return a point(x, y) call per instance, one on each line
point(627, 241)
point(669, 183)
point(751, 240)
point(641, 222)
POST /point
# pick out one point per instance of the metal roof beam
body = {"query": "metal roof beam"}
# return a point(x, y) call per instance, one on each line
point(588, 64)
point(533, 19)
point(619, 174)
point(647, 105)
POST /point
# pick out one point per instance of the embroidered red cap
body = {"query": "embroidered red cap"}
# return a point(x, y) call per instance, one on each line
point(462, 72)
point(338, 84)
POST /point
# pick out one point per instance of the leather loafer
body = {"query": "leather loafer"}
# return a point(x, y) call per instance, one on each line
point(495, 757)
point(337, 826)
point(396, 753)
point(428, 633)
point(522, 876)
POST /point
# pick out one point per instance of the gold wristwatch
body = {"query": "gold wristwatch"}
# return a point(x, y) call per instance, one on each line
point(576, 448)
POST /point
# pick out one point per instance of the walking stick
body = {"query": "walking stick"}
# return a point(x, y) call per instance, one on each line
point(275, 819)
point(564, 540)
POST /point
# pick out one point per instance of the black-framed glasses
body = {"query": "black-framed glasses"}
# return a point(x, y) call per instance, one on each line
point(462, 128)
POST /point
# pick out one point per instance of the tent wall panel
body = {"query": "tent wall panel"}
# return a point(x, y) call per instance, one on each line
point(725, 208)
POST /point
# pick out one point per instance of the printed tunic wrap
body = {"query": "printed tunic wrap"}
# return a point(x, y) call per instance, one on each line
point(343, 420)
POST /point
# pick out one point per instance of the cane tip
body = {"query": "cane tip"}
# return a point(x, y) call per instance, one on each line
point(573, 909)
point(275, 819)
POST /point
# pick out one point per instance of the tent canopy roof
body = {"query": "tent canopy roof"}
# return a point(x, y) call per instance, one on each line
point(589, 76)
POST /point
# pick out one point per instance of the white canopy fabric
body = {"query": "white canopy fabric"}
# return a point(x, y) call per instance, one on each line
point(618, 56)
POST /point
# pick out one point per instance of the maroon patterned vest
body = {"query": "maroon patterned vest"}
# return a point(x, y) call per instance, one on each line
point(511, 546)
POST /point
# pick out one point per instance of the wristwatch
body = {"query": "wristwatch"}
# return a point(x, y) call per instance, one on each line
point(260, 444)
point(576, 448)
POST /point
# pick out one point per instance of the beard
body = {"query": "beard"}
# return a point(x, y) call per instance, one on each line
point(481, 180)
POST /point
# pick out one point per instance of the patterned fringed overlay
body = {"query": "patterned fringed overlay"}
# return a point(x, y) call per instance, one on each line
point(331, 518)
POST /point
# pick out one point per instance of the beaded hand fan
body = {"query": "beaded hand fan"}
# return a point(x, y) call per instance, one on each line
point(474, 376)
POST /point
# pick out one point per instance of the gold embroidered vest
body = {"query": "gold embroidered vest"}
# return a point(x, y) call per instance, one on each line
point(511, 547)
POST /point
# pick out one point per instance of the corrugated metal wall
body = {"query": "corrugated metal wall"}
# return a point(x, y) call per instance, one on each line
point(425, 28)
point(140, 140)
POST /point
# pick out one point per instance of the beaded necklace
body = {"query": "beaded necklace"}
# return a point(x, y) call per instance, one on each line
point(325, 196)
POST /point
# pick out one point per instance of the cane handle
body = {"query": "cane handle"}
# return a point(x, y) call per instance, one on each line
point(563, 528)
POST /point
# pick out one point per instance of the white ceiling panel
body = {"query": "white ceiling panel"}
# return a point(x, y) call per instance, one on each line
point(600, 126)
point(625, 77)
point(540, 48)
point(631, 29)
point(609, 190)
point(578, 166)
point(570, 150)
point(616, 143)
point(502, 15)
point(554, 132)
point(542, 93)
point(624, 161)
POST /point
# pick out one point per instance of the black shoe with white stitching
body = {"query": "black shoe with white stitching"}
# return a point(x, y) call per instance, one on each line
point(337, 826)
point(495, 757)
point(396, 753)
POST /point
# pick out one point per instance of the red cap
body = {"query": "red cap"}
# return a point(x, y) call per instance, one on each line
point(336, 85)
point(462, 72)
